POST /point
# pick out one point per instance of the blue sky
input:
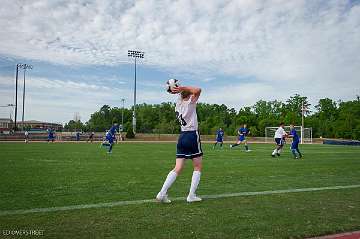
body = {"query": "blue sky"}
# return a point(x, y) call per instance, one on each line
point(238, 52)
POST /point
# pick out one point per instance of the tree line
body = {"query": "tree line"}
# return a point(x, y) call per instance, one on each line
point(328, 119)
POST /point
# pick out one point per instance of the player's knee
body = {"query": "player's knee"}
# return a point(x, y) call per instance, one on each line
point(197, 167)
point(178, 169)
point(197, 164)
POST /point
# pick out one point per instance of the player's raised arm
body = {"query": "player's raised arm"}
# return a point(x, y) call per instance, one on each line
point(194, 91)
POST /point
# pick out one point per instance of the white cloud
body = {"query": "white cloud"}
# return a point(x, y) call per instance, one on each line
point(57, 100)
point(311, 47)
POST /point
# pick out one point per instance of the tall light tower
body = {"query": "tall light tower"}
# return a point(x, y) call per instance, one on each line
point(135, 54)
point(16, 91)
point(19, 66)
point(25, 67)
point(122, 115)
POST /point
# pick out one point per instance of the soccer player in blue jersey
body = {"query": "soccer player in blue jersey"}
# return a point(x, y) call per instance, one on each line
point(110, 136)
point(219, 137)
point(243, 132)
point(51, 136)
point(295, 143)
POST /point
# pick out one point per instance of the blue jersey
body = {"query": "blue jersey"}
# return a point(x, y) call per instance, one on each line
point(243, 131)
point(113, 130)
point(220, 134)
point(51, 133)
point(295, 135)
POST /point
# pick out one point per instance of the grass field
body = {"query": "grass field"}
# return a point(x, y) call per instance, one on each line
point(40, 175)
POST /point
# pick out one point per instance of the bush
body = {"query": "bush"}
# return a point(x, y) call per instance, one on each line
point(129, 133)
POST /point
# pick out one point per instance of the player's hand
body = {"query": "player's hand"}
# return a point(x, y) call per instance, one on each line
point(176, 89)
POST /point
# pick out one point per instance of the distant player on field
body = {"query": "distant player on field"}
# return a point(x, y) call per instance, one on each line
point(77, 136)
point(26, 135)
point(279, 136)
point(219, 138)
point(109, 137)
point(189, 145)
point(242, 132)
point(51, 135)
point(295, 143)
point(91, 137)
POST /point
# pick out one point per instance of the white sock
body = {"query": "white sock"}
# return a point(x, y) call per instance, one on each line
point(170, 179)
point(280, 150)
point(194, 182)
point(274, 152)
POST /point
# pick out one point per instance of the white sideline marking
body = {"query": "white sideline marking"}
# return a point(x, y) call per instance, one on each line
point(124, 203)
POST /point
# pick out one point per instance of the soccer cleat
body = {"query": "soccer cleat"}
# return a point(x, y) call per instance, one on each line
point(163, 198)
point(193, 198)
point(278, 154)
point(273, 155)
point(230, 145)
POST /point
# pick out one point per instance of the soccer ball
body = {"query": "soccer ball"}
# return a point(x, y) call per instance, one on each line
point(170, 84)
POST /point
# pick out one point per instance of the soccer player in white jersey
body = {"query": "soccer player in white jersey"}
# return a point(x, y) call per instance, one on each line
point(279, 135)
point(189, 145)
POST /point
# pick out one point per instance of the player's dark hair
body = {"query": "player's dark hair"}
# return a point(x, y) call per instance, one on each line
point(185, 94)
point(282, 123)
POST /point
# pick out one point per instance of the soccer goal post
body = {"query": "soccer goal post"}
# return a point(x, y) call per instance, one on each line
point(305, 134)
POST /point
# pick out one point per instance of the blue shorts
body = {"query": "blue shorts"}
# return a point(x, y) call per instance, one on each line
point(279, 141)
point(295, 145)
point(220, 140)
point(189, 145)
point(110, 139)
point(241, 138)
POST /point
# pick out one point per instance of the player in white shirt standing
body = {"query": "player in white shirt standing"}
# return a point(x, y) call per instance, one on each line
point(279, 135)
point(26, 135)
point(189, 145)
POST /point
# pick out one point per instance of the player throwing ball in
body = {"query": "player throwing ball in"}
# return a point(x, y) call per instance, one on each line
point(219, 138)
point(188, 145)
point(243, 132)
point(279, 135)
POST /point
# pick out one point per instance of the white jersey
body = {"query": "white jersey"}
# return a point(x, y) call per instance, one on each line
point(279, 133)
point(186, 114)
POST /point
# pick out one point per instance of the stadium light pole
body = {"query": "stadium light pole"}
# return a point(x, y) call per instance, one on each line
point(122, 115)
point(25, 67)
point(302, 122)
point(135, 54)
point(16, 91)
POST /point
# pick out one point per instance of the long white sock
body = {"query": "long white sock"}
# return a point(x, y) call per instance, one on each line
point(170, 179)
point(194, 182)
point(274, 152)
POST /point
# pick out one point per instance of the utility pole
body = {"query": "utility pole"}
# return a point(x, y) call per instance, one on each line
point(25, 66)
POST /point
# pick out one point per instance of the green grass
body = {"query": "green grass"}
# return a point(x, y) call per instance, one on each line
point(39, 175)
